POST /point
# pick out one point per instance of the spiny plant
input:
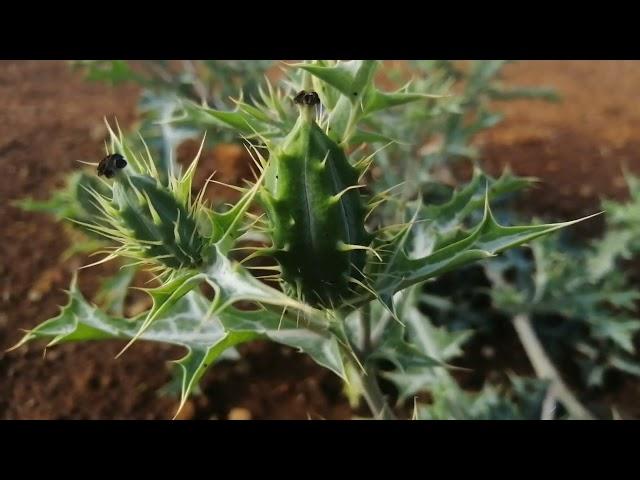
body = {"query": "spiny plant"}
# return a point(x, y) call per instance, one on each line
point(445, 133)
point(213, 81)
point(467, 299)
point(164, 85)
point(333, 264)
point(572, 298)
point(586, 284)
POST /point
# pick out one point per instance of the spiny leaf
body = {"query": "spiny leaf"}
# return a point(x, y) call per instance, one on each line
point(486, 240)
point(258, 114)
point(369, 137)
point(410, 382)
point(182, 186)
point(488, 404)
point(377, 100)
point(240, 120)
point(322, 346)
point(404, 355)
point(165, 297)
point(185, 324)
point(340, 76)
point(618, 328)
point(231, 282)
point(196, 362)
point(188, 323)
point(471, 197)
point(360, 98)
point(401, 349)
point(615, 245)
point(227, 226)
point(114, 290)
point(234, 283)
point(436, 343)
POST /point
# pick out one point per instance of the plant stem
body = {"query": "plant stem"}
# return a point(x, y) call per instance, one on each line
point(365, 322)
point(307, 83)
point(545, 369)
point(373, 395)
point(351, 126)
point(369, 378)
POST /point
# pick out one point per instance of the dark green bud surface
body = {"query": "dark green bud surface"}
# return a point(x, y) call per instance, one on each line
point(316, 213)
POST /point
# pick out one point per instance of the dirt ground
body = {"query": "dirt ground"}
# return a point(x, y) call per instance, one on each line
point(576, 147)
point(51, 118)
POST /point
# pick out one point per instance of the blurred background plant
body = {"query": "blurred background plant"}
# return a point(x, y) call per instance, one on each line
point(166, 84)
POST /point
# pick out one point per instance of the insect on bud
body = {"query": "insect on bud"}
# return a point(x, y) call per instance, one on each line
point(147, 217)
point(307, 98)
point(110, 165)
point(317, 215)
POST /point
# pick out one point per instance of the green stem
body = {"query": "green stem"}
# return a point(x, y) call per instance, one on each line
point(308, 113)
point(365, 322)
point(373, 395)
point(352, 122)
point(369, 377)
point(307, 83)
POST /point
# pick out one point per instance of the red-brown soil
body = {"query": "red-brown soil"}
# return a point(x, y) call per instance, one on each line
point(576, 147)
point(51, 118)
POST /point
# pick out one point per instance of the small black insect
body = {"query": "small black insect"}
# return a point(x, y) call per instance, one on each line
point(307, 98)
point(110, 164)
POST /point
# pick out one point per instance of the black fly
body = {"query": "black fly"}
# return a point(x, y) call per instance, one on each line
point(306, 98)
point(110, 164)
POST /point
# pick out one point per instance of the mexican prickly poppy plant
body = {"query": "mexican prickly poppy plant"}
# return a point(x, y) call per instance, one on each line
point(336, 269)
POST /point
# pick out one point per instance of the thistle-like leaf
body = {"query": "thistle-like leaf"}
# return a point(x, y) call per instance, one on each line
point(349, 78)
point(113, 290)
point(471, 197)
point(239, 120)
point(266, 121)
point(487, 239)
point(437, 343)
point(188, 322)
point(369, 137)
point(185, 324)
point(233, 283)
point(288, 330)
point(377, 100)
point(355, 81)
